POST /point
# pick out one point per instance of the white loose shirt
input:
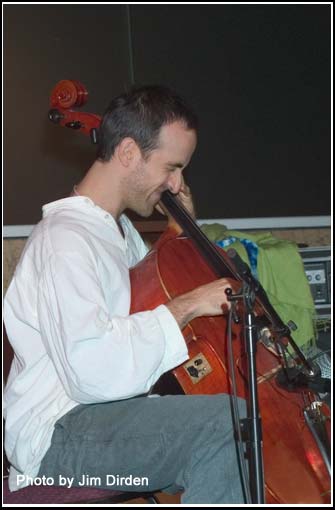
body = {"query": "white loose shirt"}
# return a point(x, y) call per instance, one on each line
point(67, 317)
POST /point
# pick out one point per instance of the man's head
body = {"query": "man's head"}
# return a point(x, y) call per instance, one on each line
point(147, 138)
point(140, 114)
point(162, 170)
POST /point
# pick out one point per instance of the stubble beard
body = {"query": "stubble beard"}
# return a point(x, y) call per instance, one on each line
point(137, 199)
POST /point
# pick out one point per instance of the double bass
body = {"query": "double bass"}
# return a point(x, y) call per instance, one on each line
point(295, 422)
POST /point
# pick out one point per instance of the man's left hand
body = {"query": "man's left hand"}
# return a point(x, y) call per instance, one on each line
point(185, 197)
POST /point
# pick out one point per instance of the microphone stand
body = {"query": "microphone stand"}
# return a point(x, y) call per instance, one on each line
point(290, 379)
point(252, 424)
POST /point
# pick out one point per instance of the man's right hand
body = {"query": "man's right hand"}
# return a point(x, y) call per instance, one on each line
point(207, 300)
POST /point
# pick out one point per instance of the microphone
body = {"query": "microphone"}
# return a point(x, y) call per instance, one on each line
point(293, 378)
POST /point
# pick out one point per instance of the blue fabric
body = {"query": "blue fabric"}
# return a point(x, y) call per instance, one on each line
point(251, 248)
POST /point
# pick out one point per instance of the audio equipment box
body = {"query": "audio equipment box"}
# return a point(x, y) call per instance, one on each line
point(317, 265)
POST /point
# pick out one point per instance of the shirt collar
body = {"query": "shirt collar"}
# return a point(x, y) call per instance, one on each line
point(87, 204)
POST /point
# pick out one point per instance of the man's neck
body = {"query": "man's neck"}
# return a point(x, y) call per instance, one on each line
point(103, 188)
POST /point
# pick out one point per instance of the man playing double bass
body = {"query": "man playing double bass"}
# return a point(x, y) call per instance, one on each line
point(76, 401)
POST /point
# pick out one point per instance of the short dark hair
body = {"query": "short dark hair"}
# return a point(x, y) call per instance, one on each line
point(140, 114)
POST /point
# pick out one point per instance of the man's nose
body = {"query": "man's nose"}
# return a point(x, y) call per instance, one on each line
point(174, 182)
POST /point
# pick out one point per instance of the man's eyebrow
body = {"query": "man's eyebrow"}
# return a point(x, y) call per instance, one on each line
point(177, 165)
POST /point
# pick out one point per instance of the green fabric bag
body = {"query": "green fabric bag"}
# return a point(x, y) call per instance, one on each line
point(281, 273)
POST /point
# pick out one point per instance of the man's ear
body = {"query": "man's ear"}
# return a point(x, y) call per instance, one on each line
point(128, 152)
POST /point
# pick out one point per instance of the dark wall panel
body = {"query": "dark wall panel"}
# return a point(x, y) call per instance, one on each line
point(43, 45)
point(259, 78)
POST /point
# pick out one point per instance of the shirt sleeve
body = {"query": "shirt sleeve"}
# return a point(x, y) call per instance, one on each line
point(98, 355)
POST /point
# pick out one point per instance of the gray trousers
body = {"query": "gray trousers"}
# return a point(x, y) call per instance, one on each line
point(171, 443)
